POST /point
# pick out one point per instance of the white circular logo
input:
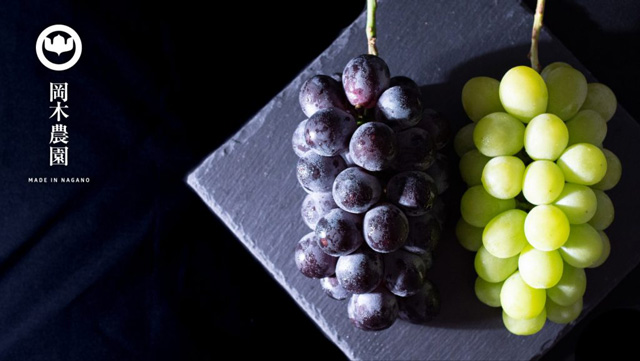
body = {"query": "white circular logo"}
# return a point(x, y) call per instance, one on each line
point(58, 45)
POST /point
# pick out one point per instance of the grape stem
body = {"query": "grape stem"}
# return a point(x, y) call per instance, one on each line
point(535, 35)
point(371, 26)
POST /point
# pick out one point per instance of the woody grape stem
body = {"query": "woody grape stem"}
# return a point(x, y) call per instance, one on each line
point(535, 35)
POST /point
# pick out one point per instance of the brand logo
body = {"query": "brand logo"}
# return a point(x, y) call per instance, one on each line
point(57, 46)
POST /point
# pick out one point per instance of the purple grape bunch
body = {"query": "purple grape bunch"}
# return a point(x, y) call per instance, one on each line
point(369, 161)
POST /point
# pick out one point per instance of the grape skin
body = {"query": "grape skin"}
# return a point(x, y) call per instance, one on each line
point(321, 92)
point(421, 307)
point(298, 142)
point(424, 233)
point(333, 289)
point(373, 311)
point(339, 232)
point(438, 126)
point(399, 107)
point(405, 273)
point(364, 78)
point(355, 190)
point(327, 132)
point(416, 150)
point(414, 192)
point(311, 260)
point(315, 206)
point(373, 146)
point(360, 271)
point(386, 228)
point(317, 173)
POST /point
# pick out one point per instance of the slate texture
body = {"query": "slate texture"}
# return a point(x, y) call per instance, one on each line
point(250, 181)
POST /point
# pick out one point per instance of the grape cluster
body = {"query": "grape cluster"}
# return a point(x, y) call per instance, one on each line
point(536, 206)
point(369, 161)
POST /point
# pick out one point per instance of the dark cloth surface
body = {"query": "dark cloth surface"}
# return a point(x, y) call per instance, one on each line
point(132, 265)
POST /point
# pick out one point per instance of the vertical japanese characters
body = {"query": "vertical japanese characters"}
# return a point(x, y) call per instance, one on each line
point(59, 141)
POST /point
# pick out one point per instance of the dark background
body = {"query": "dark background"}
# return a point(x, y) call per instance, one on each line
point(133, 265)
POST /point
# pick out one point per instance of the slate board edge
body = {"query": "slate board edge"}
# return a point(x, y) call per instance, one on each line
point(247, 131)
point(244, 134)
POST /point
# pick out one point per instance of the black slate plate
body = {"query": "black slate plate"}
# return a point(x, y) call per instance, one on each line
point(250, 182)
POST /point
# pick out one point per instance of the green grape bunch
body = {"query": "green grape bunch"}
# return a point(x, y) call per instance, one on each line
point(535, 211)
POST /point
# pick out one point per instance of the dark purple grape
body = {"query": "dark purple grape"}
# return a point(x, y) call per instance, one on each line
point(404, 273)
point(399, 107)
point(328, 131)
point(386, 228)
point(355, 190)
point(440, 172)
point(337, 77)
point(439, 211)
point(322, 92)
point(421, 307)
point(416, 150)
point(404, 82)
point(437, 125)
point(364, 78)
point(360, 271)
point(424, 233)
point(310, 259)
point(315, 206)
point(427, 258)
point(339, 232)
point(333, 289)
point(373, 311)
point(298, 142)
point(373, 146)
point(317, 173)
point(414, 192)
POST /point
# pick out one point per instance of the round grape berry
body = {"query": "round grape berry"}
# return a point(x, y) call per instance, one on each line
point(311, 260)
point(339, 232)
point(386, 228)
point(355, 190)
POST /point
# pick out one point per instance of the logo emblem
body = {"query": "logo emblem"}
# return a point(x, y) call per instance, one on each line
point(58, 45)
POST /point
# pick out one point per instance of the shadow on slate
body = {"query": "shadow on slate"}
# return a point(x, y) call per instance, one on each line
point(250, 182)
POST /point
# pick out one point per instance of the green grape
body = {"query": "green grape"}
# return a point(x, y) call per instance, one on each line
point(546, 227)
point(471, 165)
point(504, 236)
point(583, 163)
point(478, 207)
point(543, 182)
point(498, 134)
point(563, 314)
point(587, 126)
point(583, 247)
point(502, 176)
point(463, 141)
point(519, 300)
point(480, 97)
point(493, 269)
point(571, 286)
point(578, 203)
point(605, 213)
point(545, 137)
point(470, 237)
point(547, 69)
point(524, 327)
point(540, 269)
point(606, 250)
point(523, 93)
point(613, 174)
point(488, 292)
point(601, 99)
point(567, 91)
